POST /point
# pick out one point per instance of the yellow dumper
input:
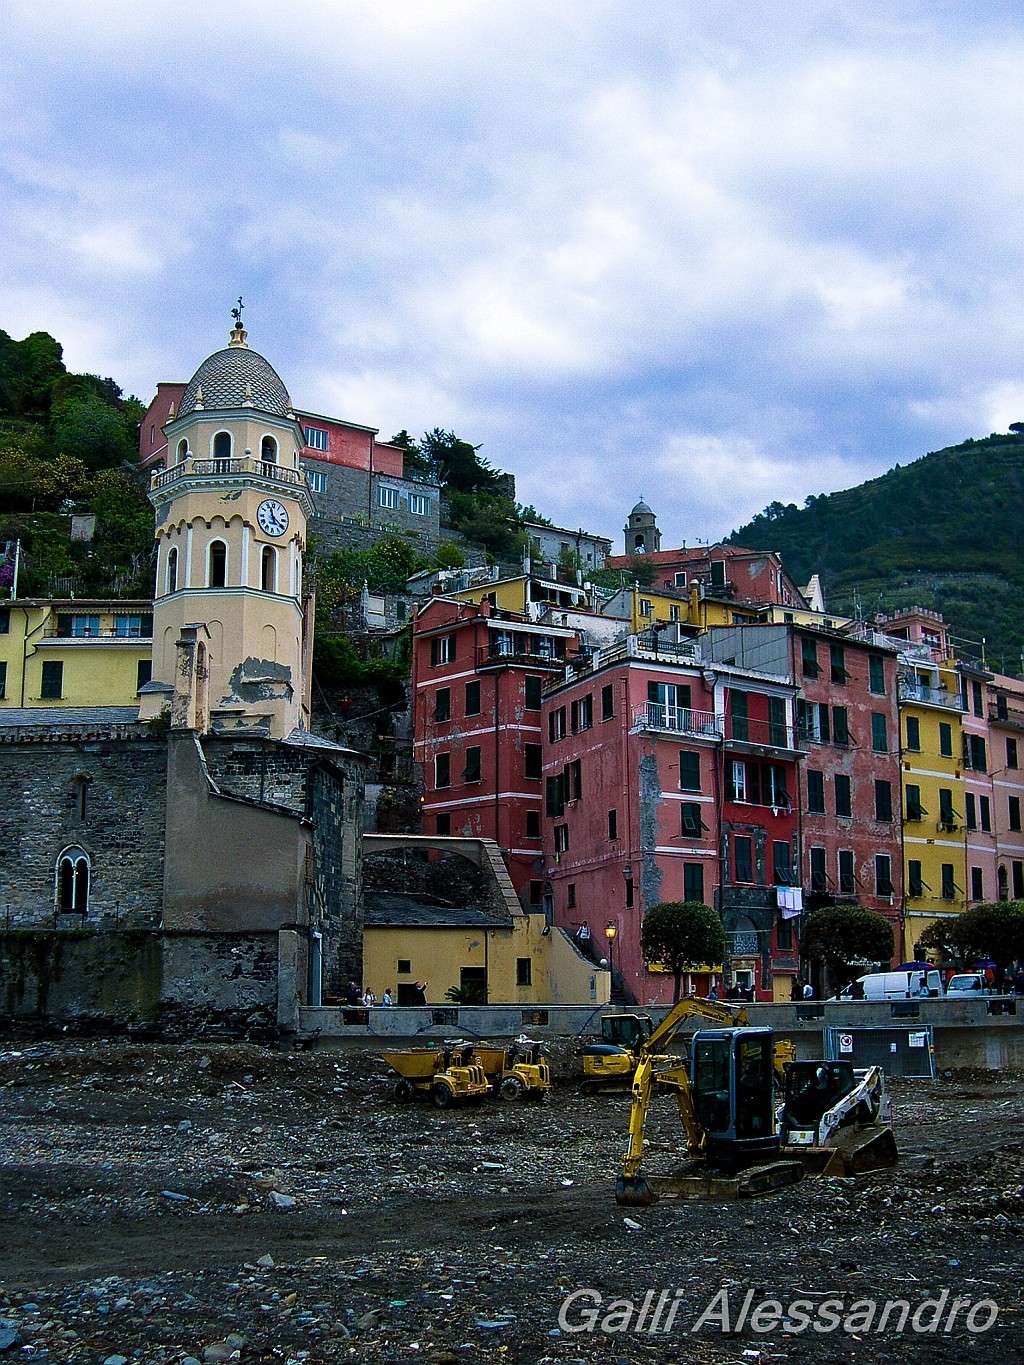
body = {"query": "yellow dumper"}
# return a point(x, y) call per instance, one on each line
point(447, 1074)
point(519, 1071)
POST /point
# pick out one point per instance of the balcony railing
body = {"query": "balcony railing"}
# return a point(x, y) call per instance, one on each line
point(909, 690)
point(766, 733)
point(69, 632)
point(678, 720)
point(205, 469)
point(529, 656)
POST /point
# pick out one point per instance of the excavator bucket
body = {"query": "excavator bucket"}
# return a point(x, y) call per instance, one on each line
point(634, 1192)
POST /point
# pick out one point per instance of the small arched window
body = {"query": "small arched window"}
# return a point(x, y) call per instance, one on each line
point(182, 450)
point(171, 573)
point(222, 445)
point(268, 569)
point(268, 450)
point(73, 878)
point(217, 565)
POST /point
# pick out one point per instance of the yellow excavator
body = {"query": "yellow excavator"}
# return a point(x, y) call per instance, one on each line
point(611, 1063)
point(833, 1119)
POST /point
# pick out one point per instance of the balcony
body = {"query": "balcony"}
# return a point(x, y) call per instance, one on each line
point(520, 655)
point(69, 632)
point(909, 690)
point(232, 468)
point(760, 734)
point(1011, 717)
point(677, 720)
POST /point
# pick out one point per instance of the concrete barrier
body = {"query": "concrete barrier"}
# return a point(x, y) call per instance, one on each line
point(986, 1033)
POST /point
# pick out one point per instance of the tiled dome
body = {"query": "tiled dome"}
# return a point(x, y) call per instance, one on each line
point(236, 378)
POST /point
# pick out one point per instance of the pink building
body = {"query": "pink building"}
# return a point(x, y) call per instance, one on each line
point(1005, 699)
point(670, 779)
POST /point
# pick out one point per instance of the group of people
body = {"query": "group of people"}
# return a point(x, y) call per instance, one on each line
point(733, 992)
point(368, 999)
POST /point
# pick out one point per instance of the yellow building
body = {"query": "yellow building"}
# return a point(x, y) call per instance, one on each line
point(803, 616)
point(694, 609)
point(493, 950)
point(508, 964)
point(517, 593)
point(934, 850)
point(74, 652)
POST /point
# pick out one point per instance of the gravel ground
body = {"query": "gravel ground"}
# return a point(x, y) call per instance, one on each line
point(226, 1202)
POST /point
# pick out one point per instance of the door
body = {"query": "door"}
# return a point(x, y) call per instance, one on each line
point(473, 985)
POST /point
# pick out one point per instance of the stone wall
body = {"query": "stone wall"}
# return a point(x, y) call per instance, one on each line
point(139, 978)
point(349, 514)
point(41, 814)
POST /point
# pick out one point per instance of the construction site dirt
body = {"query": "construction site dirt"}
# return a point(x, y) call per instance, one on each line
point(218, 1202)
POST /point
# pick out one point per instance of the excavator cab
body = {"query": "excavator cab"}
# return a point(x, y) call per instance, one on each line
point(731, 1084)
point(625, 1030)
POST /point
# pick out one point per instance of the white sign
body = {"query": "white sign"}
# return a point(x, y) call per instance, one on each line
point(918, 1040)
point(846, 1042)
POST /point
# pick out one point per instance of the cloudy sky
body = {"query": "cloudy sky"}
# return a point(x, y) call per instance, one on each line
point(712, 253)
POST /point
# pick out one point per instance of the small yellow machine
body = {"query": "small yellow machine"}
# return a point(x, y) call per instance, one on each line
point(448, 1074)
point(612, 1062)
point(519, 1071)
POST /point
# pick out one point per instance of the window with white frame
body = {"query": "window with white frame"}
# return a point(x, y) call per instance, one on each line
point(418, 504)
point(317, 480)
point(72, 881)
point(316, 438)
point(388, 497)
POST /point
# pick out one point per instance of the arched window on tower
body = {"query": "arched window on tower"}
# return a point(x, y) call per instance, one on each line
point(268, 450)
point(222, 445)
point(171, 572)
point(72, 881)
point(268, 569)
point(217, 565)
point(182, 450)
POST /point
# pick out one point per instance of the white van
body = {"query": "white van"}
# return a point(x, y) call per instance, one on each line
point(912, 985)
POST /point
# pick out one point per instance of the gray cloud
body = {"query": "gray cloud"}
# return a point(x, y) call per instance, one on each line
point(674, 252)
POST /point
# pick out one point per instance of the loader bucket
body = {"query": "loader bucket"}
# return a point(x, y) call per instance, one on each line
point(869, 1149)
point(634, 1192)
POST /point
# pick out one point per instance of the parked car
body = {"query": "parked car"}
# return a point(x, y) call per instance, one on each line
point(968, 983)
point(906, 985)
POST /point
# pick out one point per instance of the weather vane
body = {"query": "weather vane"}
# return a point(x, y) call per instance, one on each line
point(236, 313)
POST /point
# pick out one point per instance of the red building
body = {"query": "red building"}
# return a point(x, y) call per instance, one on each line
point(723, 571)
point(477, 678)
point(327, 438)
point(667, 778)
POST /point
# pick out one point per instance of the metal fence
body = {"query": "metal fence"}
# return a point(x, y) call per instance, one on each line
point(898, 1050)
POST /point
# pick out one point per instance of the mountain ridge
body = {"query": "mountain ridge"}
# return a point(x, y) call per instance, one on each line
point(942, 531)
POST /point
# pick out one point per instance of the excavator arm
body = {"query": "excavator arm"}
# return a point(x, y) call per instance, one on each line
point(719, 1012)
point(655, 1069)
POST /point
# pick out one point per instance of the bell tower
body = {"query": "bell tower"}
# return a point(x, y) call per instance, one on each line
point(641, 530)
point(231, 512)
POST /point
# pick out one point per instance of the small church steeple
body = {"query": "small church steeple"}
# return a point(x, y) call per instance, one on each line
point(641, 530)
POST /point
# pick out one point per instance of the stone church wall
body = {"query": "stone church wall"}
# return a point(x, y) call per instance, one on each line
point(122, 831)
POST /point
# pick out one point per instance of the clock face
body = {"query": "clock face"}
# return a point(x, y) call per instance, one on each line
point(272, 517)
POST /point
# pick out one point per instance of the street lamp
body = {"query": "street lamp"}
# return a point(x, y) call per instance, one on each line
point(610, 931)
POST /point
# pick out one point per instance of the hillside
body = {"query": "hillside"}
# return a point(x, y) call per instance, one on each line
point(943, 532)
point(67, 443)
